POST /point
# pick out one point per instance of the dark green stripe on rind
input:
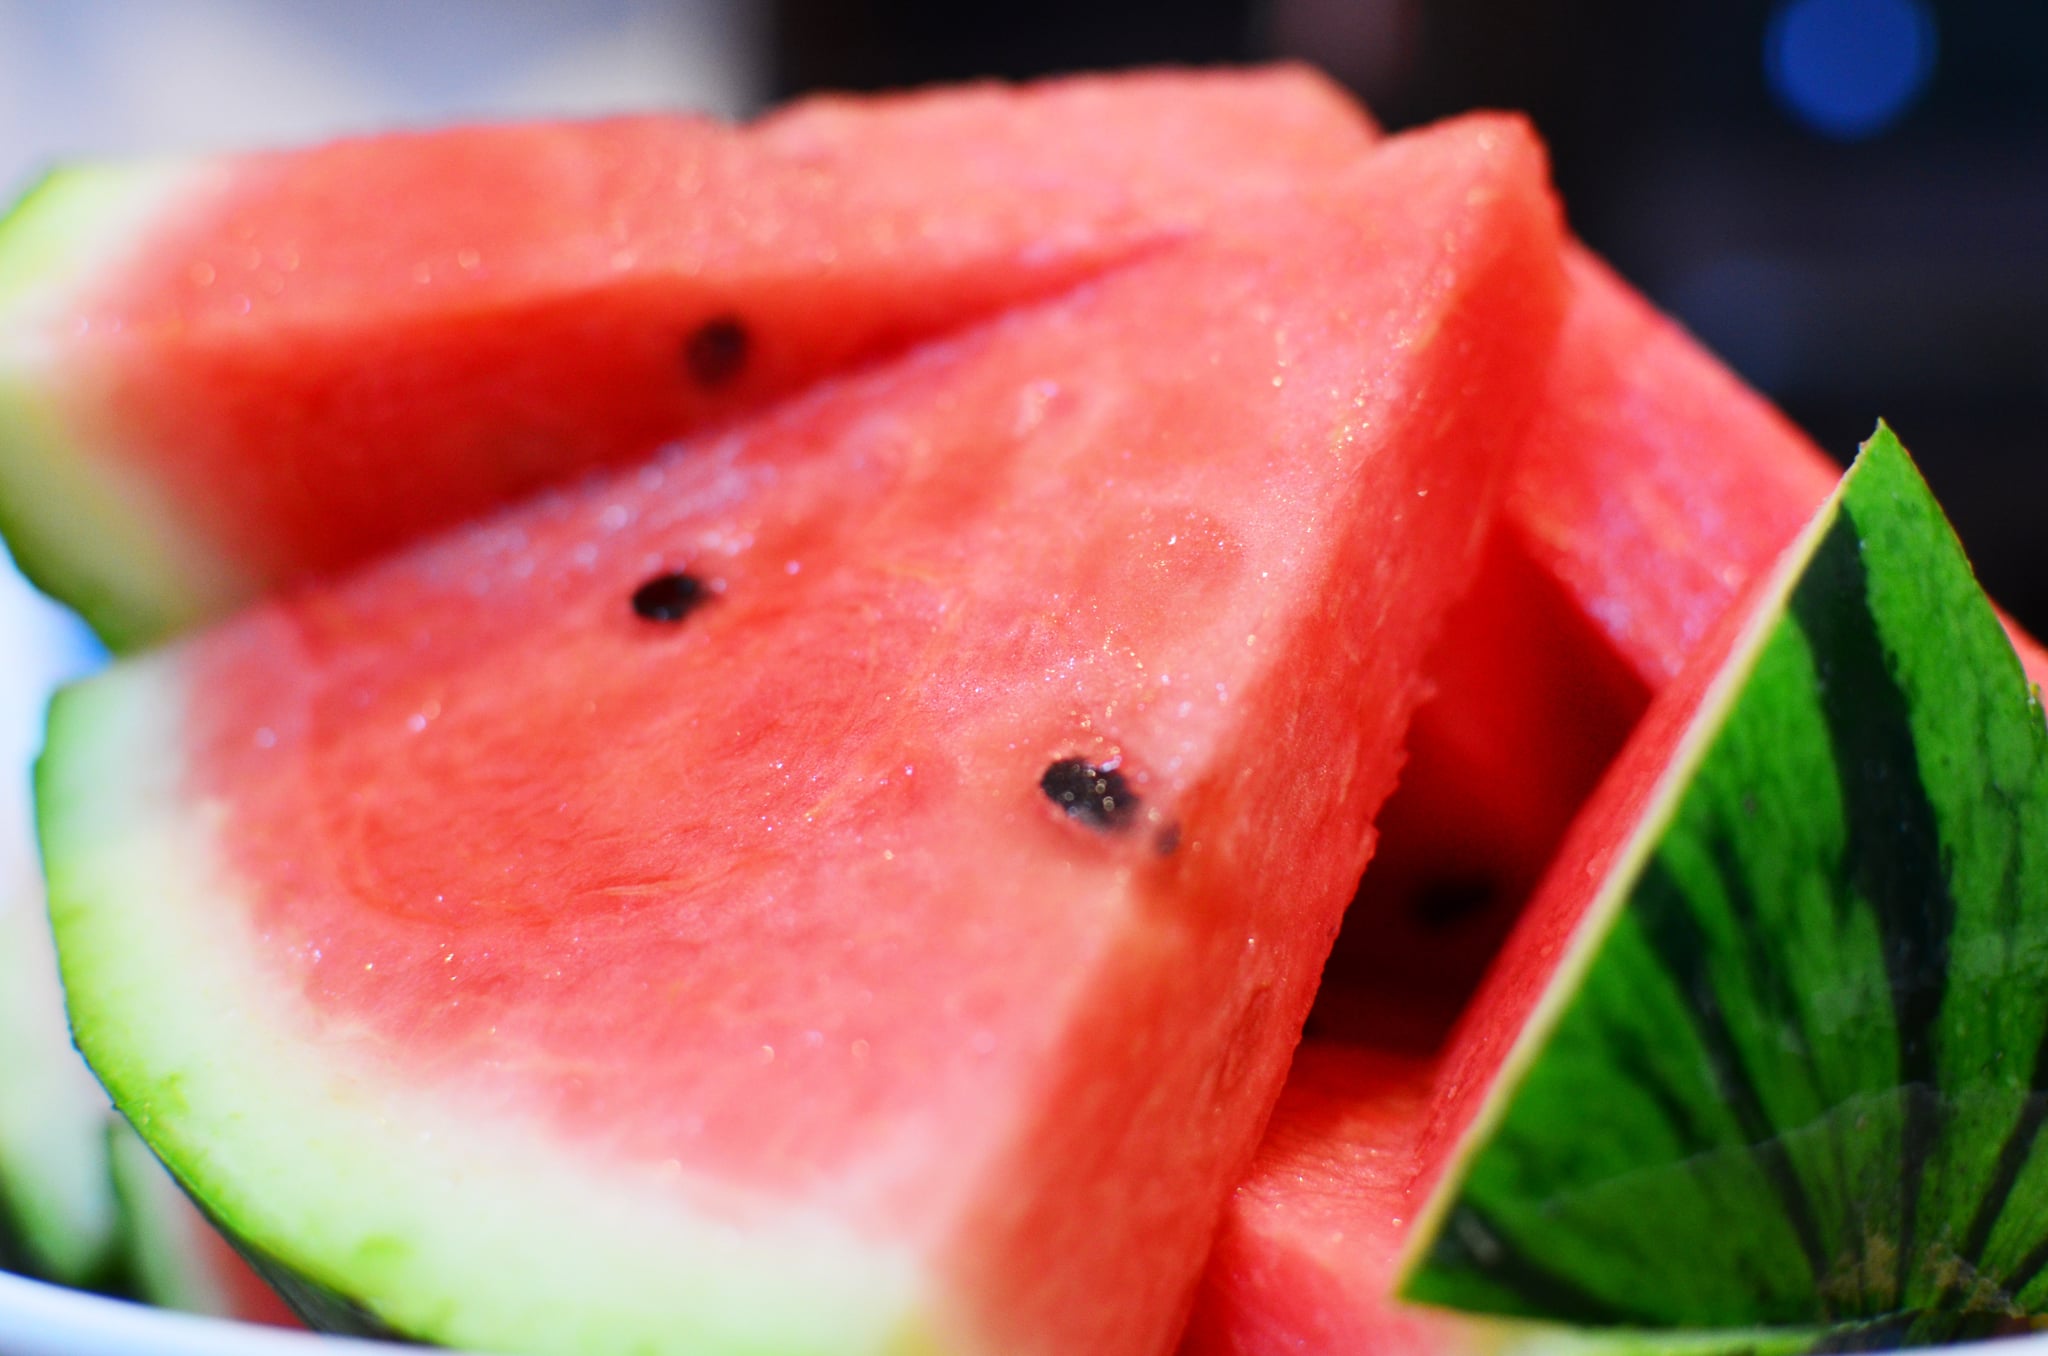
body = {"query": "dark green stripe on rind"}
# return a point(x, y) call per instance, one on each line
point(2013, 1156)
point(1800, 1079)
point(13, 1254)
point(1893, 866)
point(1675, 935)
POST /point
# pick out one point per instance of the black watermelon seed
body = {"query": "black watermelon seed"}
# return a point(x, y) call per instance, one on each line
point(668, 597)
point(1447, 901)
point(1097, 796)
point(717, 351)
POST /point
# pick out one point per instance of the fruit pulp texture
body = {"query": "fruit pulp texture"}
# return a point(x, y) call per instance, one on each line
point(1177, 631)
point(1305, 1259)
point(322, 354)
point(1529, 703)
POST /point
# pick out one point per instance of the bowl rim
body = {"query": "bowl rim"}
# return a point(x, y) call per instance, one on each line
point(41, 1319)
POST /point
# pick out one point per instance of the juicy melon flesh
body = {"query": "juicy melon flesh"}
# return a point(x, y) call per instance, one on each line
point(1656, 486)
point(1528, 705)
point(733, 982)
point(247, 370)
point(1295, 1266)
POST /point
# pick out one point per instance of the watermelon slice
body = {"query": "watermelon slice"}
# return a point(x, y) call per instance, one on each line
point(1655, 486)
point(1653, 489)
point(173, 1258)
point(82, 1203)
point(222, 375)
point(1631, 1208)
point(1793, 954)
point(852, 884)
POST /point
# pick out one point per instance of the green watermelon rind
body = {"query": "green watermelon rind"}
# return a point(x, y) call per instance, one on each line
point(97, 540)
point(1829, 1132)
point(623, 1267)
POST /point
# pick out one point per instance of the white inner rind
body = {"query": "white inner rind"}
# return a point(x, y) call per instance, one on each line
point(460, 1224)
point(1598, 920)
point(103, 542)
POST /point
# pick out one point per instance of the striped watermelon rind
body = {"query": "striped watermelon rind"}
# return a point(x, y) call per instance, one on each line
point(1806, 998)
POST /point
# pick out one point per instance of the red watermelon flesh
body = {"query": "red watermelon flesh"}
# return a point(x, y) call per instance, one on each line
point(256, 368)
point(1305, 1259)
point(1655, 485)
point(1654, 490)
point(1529, 704)
point(800, 955)
point(1488, 1028)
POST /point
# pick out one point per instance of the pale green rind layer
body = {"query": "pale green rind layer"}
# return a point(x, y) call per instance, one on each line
point(95, 539)
point(1490, 1337)
point(54, 1193)
point(320, 1162)
point(1797, 1071)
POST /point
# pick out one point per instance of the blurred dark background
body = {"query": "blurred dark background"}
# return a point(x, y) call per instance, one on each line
point(1848, 199)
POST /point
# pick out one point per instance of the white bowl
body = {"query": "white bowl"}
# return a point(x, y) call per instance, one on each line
point(48, 1320)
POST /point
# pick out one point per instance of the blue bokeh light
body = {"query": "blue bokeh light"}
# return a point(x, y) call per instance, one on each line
point(1849, 68)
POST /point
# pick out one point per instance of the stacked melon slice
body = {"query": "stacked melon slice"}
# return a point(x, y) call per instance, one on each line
point(850, 879)
point(222, 376)
point(1652, 497)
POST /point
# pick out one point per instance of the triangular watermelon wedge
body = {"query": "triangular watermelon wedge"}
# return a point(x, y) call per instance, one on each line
point(851, 885)
point(1653, 489)
point(1766, 1048)
point(218, 376)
